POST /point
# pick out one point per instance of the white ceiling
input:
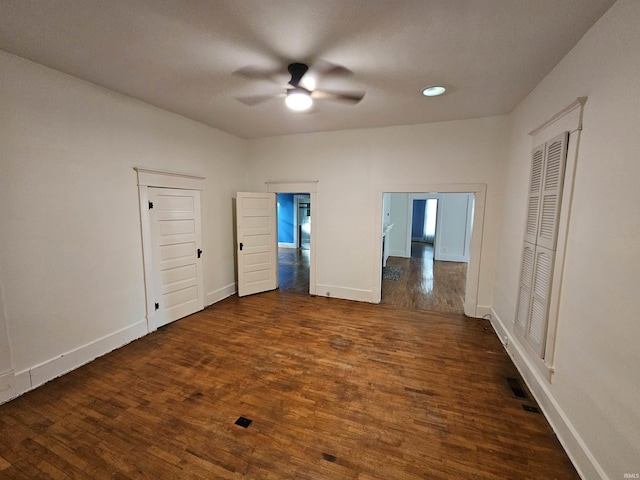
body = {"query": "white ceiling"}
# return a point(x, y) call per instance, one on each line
point(180, 55)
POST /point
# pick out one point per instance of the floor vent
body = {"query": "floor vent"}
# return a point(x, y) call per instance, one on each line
point(243, 422)
point(516, 388)
point(529, 408)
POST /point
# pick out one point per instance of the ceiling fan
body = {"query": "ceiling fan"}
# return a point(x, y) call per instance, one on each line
point(300, 92)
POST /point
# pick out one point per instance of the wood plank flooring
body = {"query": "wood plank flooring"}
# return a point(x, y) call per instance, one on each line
point(426, 284)
point(335, 390)
point(293, 270)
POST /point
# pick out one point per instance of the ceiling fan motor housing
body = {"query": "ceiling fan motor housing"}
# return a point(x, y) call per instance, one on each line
point(297, 71)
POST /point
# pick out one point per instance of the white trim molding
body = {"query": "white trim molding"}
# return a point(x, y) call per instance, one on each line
point(161, 179)
point(573, 444)
point(58, 366)
point(345, 293)
point(310, 187)
point(568, 119)
point(8, 386)
point(300, 186)
point(220, 294)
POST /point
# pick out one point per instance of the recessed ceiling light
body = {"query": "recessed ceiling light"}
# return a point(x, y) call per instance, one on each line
point(298, 99)
point(433, 91)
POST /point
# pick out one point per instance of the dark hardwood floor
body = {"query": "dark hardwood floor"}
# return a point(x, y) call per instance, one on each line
point(335, 390)
point(293, 270)
point(426, 284)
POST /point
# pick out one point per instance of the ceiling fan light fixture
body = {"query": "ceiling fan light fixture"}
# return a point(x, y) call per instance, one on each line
point(298, 99)
point(433, 91)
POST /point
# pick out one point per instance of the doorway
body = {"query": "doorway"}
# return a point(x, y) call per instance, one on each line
point(297, 265)
point(294, 241)
point(422, 276)
point(455, 257)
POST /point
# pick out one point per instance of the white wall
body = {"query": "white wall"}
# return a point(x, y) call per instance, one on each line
point(7, 374)
point(71, 258)
point(352, 165)
point(593, 399)
point(399, 214)
point(71, 262)
point(453, 230)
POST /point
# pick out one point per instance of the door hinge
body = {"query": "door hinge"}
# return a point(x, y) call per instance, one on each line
point(150, 205)
point(241, 245)
point(199, 253)
point(157, 306)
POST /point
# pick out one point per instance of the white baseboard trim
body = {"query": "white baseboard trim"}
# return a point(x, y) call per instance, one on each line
point(23, 382)
point(220, 294)
point(7, 386)
point(58, 366)
point(344, 293)
point(473, 310)
point(286, 245)
point(579, 454)
point(448, 257)
point(398, 253)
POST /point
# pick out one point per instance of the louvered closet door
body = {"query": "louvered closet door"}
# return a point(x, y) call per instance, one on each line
point(554, 166)
point(543, 211)
point(535, 192)
point(542, 273)
point(524, 293)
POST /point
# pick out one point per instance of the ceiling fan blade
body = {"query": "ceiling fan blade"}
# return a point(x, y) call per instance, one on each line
point(252, 100)
point(348, 97)
point(324, 68)
point(256, 73)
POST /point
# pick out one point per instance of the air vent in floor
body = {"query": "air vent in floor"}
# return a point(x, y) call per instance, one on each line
point(529, 408)
point(516, 388)
point(243, 422)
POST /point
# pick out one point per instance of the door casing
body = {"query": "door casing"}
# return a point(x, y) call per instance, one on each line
point(156, 178)
point(310, 187)
point(471, 307)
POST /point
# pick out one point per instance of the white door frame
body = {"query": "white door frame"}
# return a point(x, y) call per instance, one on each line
point(156, 178)
point(473, 267)
point(310, 187)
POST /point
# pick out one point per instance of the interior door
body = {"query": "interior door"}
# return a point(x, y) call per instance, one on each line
point(175, 224)
point(257, 248)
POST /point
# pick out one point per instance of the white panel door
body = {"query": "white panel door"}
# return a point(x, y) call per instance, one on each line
point(175, 242)
point(257, 242)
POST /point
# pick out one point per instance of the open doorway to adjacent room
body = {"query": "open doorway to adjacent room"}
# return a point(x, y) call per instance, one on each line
point(426, 250)
point(294, 241)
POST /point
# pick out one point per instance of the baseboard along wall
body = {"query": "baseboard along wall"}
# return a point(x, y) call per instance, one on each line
point(579, 454)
